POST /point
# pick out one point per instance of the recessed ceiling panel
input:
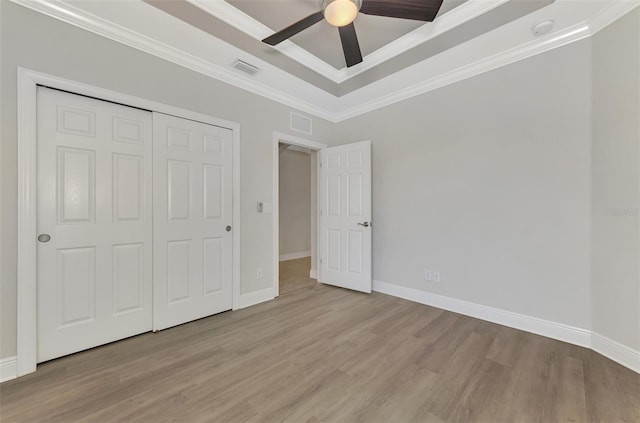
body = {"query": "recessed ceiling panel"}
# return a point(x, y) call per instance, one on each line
point(324, 66)
point(322, 40)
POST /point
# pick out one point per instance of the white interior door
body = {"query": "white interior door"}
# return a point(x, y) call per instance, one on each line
point(192, 220)
point(94, 203)
point(345, 216)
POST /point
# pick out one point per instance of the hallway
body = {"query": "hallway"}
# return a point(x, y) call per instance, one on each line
point(294, 275)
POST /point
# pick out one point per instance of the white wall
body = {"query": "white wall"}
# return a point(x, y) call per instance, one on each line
point(488, 181)
point(37, 42)
point(616, 181)
point(295, 202)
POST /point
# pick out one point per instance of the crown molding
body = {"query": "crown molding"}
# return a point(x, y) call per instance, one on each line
point(257, 30)
point(333, 109)
point(611, 13)
point(75, 16)
point(467, 11)
point(558, 39)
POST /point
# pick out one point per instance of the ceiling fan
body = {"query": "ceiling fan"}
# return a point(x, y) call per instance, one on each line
point(342, 13)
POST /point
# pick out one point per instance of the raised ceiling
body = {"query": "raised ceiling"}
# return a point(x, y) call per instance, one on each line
point(322, 39)
point(315, 55)
point(467, 38)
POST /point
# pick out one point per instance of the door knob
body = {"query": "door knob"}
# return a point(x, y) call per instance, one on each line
point(44, 237)
point(228, 228)
point(365, 224)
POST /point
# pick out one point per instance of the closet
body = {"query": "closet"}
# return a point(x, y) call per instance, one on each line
point(134, 212)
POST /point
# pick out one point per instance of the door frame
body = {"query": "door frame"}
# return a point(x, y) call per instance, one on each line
point(28, 80)
point(281, 137)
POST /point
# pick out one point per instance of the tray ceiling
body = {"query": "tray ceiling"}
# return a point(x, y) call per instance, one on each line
point(315, 55)
point(322, 40)
point(209, 36)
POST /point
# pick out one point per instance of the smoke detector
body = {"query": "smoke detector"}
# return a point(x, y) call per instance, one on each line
point(542, 28)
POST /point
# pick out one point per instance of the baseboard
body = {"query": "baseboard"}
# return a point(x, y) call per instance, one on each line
point(559, 331)
point(254, 298)
point(293, 256)
point(8, 368)
point(313, 274)
point(622, 354)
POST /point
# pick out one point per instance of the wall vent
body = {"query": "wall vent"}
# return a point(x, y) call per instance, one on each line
point(301, 123)
point(245, 67)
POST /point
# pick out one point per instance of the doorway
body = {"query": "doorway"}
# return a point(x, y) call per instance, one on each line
point(295, 212)
point(296, 191)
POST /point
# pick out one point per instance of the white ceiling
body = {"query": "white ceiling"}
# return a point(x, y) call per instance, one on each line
point(428, 57)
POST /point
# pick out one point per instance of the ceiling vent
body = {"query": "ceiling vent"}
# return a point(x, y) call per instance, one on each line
point(301, 123)
point(245, 67)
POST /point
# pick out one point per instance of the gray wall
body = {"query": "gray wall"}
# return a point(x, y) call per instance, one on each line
point(34, 41)
point(616, 182)
point(504, 182)
point(488, 181)
point(295, 202)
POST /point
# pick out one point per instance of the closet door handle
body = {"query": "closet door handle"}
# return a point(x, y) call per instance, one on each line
point(365, 224)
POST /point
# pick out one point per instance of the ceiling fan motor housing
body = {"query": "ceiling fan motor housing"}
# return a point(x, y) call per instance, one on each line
point(325, 3)
point(340, 13)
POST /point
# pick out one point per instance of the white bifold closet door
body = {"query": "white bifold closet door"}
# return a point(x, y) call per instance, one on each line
point(134, 221)
point(192, 204)
point(94, 221)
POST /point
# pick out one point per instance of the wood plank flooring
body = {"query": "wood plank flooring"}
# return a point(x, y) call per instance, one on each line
point(294, 274)
point(326, 354)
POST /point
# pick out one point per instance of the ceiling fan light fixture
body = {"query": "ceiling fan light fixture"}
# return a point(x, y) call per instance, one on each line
point(341, 12)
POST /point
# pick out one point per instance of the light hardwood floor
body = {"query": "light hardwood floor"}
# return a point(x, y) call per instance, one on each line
point(326, 354)
point(294, 274)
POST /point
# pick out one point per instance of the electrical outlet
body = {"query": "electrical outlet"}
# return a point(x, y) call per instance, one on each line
point(428, 275)
point(436, 276)
point(259, 273)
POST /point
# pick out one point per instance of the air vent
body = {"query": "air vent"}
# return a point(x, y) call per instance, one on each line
point(301, 123)
point(245, 67)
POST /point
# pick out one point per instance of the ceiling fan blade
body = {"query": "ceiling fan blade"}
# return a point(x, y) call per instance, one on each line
point(350, 45)
point(292, 30)
point(418, 10)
